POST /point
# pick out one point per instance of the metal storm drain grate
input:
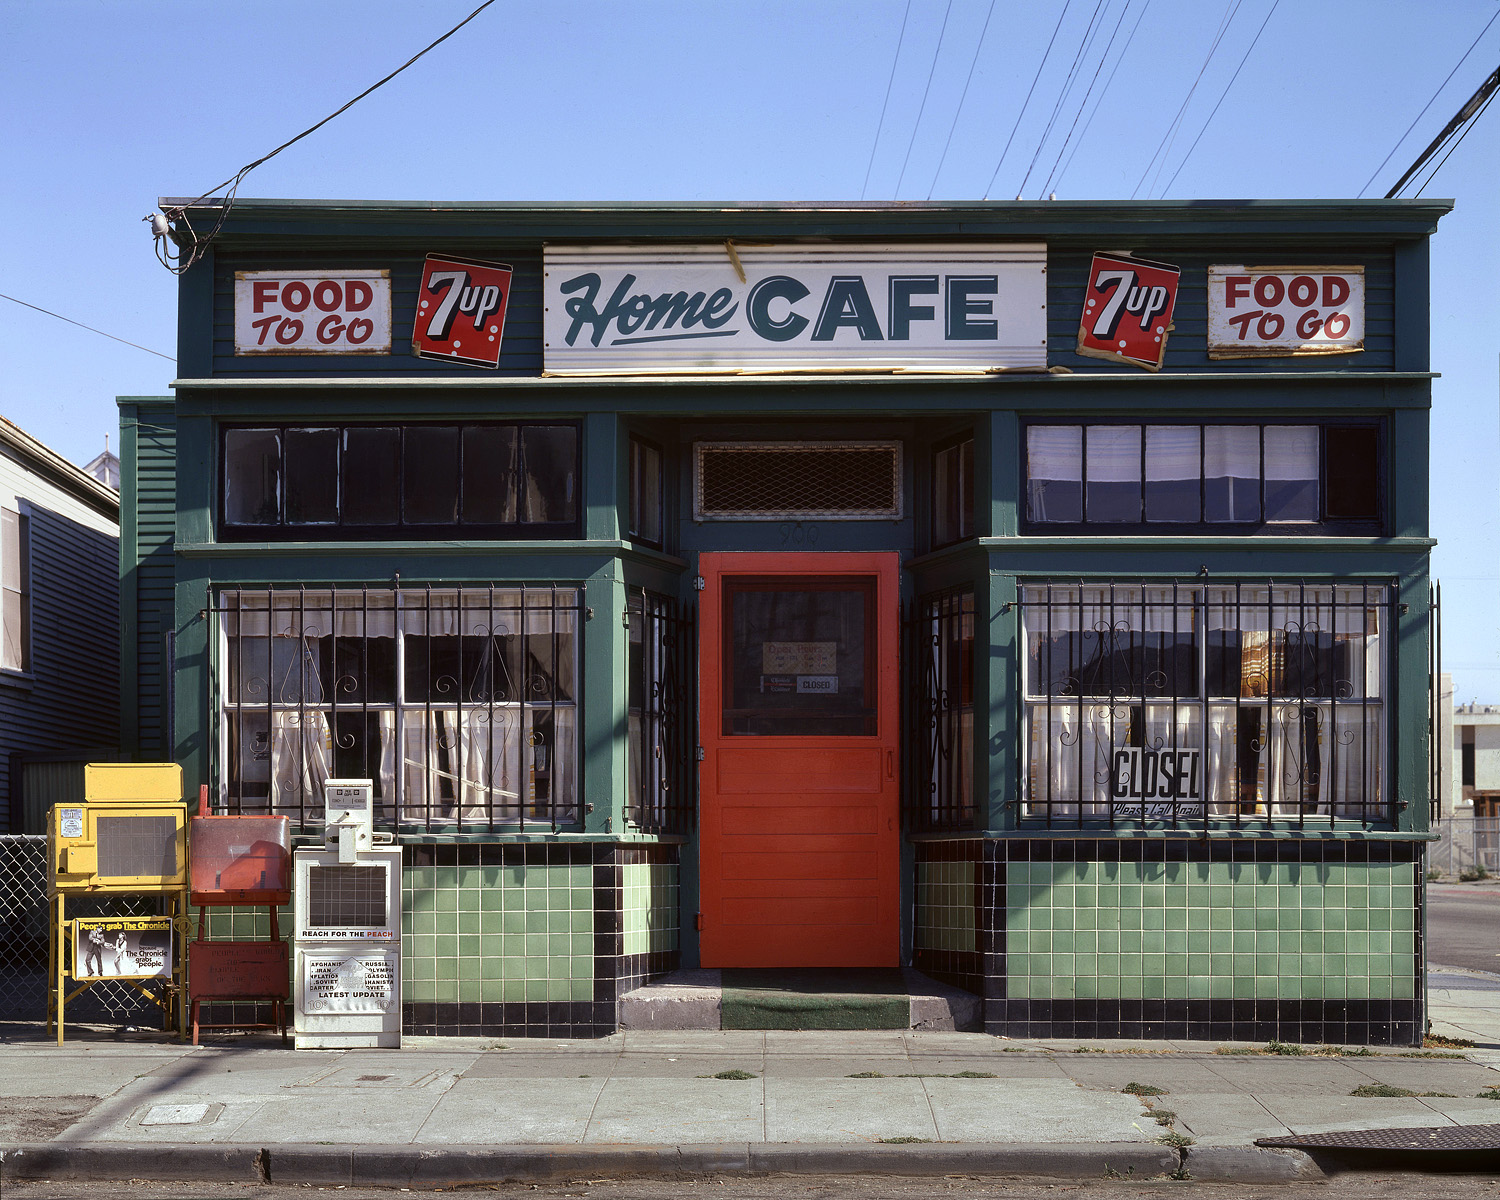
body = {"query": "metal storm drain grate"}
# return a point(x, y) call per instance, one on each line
point(1444, 1137)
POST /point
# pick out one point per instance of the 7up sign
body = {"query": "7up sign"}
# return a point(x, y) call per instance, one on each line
point(1127, 310)
point(461, 310)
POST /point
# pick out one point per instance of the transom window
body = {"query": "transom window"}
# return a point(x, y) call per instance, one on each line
point(494, 480)
point(1274, 475)
point(460, 705)
point(1186, 703)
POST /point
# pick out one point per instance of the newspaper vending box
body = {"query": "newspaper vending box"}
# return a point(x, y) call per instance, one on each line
point(347, 905)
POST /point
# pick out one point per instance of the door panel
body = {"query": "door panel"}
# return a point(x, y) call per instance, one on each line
point(799, 841)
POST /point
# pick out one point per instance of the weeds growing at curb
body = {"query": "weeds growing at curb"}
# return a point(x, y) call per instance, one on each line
point(734, 1074)
point(1488, 1094)
point(1163, 1116)
point(1111, 1173)
point(901, 1141)
point(1182, 1174)
point(1387, 1090)
point(1089, 1050)
point(1238, 1050)
point(940, 1075)
point(1143, 1089)
point(1436, 1041)
point(1288, 1049)
point(1473, 874)
point(865, 1075)
point(1174, 1139)
point(1428, 1054)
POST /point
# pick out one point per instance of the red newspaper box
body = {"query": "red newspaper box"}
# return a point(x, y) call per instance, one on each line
point(240, 860)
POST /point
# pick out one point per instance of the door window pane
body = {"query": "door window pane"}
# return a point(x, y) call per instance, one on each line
point(490, 475)
point(312, 476)
point(1054, 475)
point(372, 462)
point(1173, 472)
point(252, 477)
point(1291, 472)
point(1114, 473)
point(429, 475)
point(1231, 473)
point(549, 454)
point(799, 658)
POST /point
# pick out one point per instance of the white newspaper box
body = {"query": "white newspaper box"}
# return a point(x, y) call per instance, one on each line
point(347, 906)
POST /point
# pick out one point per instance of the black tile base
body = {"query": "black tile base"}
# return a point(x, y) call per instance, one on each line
point(553, 1018)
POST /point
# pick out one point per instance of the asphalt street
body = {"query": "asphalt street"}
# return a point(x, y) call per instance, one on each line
point(1463, 926)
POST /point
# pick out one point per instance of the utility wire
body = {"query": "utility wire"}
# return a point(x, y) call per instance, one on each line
point(880, 125)
point(1171, 132)
point(923, 107)
point(90, 328)
point(962, 97)
point(1458, 142)
point(1083, 45)
point(197, 245)
point(1103, 95)
point(1222, 95)
point(1475, 104)
point(1428, 105)
point(1103, 58)
point(1045, 56)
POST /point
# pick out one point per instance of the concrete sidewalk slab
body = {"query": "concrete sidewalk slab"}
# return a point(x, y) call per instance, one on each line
point(671, 1111)
point(1034, 1110)
point(847, 1110)
point(474, 1112)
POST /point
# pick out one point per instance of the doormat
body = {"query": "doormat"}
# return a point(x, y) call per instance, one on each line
point(771, 998)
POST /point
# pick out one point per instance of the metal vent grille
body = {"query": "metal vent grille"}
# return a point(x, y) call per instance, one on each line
point(346, 897)
point(774, 481)
point(135, 846)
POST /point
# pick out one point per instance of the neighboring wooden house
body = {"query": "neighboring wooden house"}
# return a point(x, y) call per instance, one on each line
point(59, 618)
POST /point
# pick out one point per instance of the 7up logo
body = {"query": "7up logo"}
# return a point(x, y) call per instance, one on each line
point(461, 310)
point(1127, 310)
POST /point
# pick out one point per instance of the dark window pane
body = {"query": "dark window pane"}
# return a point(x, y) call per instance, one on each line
point(1231, 473)
point(1114, 473)
point(953, 493)
point(357, 748)
point(429, 475)
point(312, 476)
point(549, 456)
point(372, 462)
point(1054, 473)
point(364, 670)
point(1291, 472)
point(490, 475)
point(1173, 473)
point(1352, 471)
point(645, 491)
point(252, 477)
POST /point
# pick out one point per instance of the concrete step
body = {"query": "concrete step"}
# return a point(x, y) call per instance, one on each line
point(693, 999)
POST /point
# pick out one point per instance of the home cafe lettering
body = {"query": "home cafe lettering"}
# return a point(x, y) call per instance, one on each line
point(707, 308)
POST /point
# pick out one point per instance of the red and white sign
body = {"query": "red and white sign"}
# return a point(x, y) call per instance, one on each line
point(1127, 310)
point(461, 310)
point(312, 312)
point(1264, 312)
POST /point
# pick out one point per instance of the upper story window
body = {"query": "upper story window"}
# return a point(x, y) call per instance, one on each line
point(953, 491)
point(15, 582)
point(645, 524)
point(491, 480)
point(1275, 476)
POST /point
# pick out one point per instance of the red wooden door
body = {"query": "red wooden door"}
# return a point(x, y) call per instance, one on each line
point(798, 838)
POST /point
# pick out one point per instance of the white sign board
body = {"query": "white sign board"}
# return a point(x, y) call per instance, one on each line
point(1158, 785)
point(1273, 312)
point(312, 312)
point(969, 307)
point(355, 982)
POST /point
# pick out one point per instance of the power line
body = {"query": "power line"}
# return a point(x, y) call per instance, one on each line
point(1171, 132)
point(195, 244)
point(1108, 83)
point(1103, 58)
point(1025, 103)
point(1458, 142)
point(90, 328)
point(1470, 111)
point(962, 97)
point(1428, 105)
point(1222, 95)
point(880, 126)
point(1083, 45)
point(931, 71)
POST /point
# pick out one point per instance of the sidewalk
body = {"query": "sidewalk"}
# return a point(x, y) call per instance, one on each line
point(451, 1110)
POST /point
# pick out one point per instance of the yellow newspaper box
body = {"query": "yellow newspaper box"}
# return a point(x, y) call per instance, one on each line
point(129, 834)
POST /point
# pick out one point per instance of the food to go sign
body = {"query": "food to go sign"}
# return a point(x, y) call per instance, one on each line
point(1263, 312)
point(312, 312)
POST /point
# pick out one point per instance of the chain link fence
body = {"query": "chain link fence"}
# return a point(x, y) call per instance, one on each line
point(1469, 848)
point(24, 917)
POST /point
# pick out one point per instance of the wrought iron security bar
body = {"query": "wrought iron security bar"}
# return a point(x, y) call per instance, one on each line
point(663, 714)
point(938, 664)
point(459, 703)
point(1186, 704)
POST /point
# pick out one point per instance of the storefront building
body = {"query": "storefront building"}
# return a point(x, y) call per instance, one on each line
point(1035, 594)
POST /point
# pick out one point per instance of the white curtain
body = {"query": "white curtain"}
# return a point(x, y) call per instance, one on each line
point(301, 757)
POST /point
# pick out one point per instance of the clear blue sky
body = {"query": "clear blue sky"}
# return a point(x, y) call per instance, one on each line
point(109, 104)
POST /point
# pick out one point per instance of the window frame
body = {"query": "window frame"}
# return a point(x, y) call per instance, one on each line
point(401, 530)
point(937, 501)
point(16, 549)
point(638, 444)
point(1324, 525)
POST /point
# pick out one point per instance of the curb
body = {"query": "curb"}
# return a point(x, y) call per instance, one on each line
point(439, 1166)
point(1249, 1164)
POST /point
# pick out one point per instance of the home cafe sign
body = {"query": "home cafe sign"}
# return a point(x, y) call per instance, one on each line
point(729, 308)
